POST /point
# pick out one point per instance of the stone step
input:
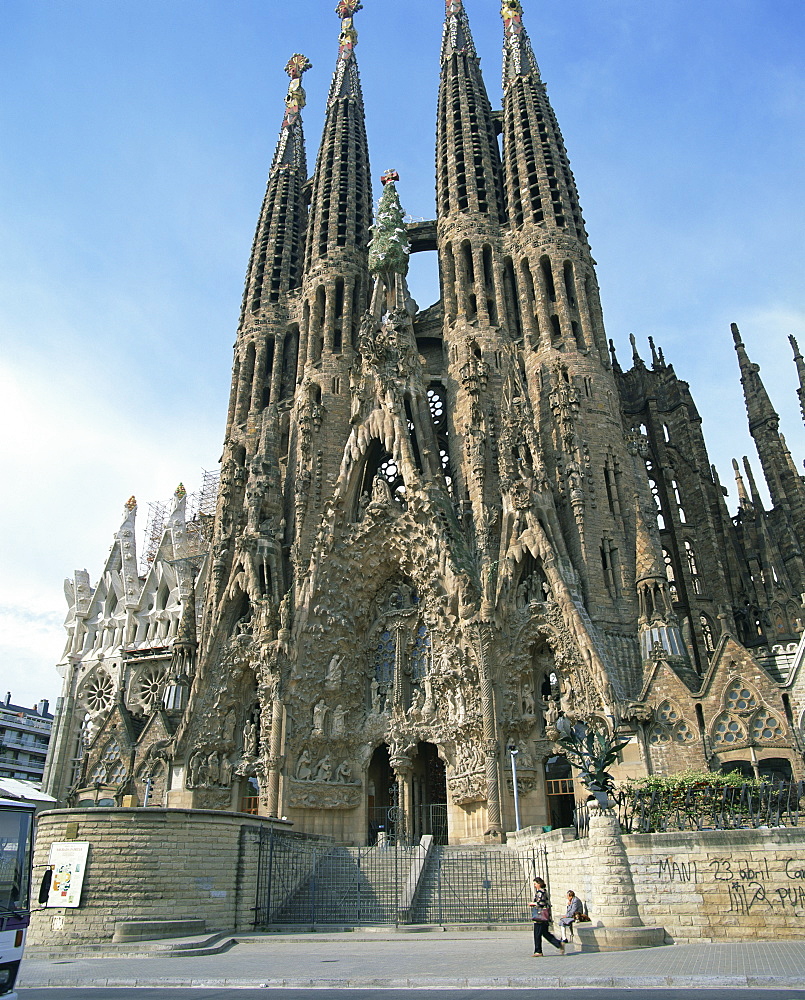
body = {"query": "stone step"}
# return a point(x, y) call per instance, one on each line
point(208, 944)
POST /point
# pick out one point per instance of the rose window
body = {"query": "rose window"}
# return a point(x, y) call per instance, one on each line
point(766, 727)
point(728, 730)
point(740, 698)
point(98, 693)
point(149, 687)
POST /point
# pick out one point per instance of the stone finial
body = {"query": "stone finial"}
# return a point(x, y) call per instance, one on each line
point(131, 504)
point(180, 492)
point(389, 175)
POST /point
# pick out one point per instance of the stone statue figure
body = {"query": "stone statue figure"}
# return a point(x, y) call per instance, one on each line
point(343, 772)
point(213, 770)
point(303, 771)
point(249, 738)
point(334, 673)
point(324, 769)
point(225, 775)
point(320, 711)
point(338, 723)
point(377, 703)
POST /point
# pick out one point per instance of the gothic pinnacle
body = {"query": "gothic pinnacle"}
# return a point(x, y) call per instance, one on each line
point(800, 363)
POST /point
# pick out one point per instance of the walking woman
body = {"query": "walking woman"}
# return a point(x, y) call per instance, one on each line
point(541, 916)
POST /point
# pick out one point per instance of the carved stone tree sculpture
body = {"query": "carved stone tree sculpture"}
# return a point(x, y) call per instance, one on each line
point(592, 752)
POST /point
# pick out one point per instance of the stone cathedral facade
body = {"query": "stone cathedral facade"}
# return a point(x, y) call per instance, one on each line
point(438, 530)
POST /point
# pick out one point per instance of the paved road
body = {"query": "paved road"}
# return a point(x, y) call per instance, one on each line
point(464, 961)
point(538, 994)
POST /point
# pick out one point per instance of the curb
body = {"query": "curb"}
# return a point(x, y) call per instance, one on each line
point(445, 983)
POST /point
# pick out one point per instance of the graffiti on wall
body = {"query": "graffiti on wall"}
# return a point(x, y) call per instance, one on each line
point(752, 883)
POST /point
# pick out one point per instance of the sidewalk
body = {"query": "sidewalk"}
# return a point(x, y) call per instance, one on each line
point(435, 960)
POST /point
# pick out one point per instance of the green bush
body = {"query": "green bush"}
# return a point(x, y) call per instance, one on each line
point(690, 779)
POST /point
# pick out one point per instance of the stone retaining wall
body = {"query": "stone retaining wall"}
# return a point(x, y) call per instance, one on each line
point(705, 885)
point(153, 864)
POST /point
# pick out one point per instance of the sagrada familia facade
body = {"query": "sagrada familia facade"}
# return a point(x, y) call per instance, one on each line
point(439, 531)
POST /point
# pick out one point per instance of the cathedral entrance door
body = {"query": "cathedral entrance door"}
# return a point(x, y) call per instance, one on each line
point(428, 796)
point(381, 798)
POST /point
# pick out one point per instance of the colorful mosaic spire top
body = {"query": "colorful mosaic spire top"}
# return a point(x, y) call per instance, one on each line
point(348, 8)
point(297, 66)
point(518, 56)
point(348, 38)
point(457, 37)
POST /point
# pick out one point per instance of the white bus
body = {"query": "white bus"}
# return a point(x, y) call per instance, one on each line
point(16, 844)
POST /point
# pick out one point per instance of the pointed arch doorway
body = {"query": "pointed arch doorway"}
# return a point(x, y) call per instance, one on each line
point(428, 795)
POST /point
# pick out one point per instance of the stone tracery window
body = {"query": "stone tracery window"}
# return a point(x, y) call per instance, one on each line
point(420, 655)
point(400, 641)
point(385, 658)
point(740, 698)
point(766, 727)
point(727, 730)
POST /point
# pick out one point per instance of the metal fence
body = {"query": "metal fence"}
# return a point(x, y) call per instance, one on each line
point(311, 883)
point(471, 886)
point(704, 807)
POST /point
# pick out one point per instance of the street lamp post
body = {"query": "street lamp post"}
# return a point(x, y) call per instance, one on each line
point(513, 751)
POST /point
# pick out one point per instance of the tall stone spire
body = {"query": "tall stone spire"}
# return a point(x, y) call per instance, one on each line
point(799, 361)
point(559, 305)
point(539, 184)
point(341, 206)
point(468, 175)
point(784, 483)
point(275, 262)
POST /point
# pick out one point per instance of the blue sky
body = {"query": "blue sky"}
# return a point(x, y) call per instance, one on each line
point(137, 135)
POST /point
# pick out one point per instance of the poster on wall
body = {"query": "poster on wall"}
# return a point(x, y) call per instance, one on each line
point(68, 861)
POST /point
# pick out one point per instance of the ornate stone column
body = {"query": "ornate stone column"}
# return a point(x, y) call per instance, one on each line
point(495, 827)
point(403, 769)
point(617, 925)
point(275, 759)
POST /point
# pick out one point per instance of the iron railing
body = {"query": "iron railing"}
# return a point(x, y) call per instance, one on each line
point(703, 807)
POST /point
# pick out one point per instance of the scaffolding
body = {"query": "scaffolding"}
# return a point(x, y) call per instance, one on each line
point(154, 529)
point(199, 518)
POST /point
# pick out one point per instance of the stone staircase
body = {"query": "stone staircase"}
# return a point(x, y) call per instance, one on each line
point(350, 885)
point(473, 885)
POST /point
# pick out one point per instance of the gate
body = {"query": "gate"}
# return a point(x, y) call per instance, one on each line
point(311, 883)
point(474, 885)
